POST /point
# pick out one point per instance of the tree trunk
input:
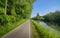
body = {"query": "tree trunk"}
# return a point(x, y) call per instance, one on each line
point(5, 7)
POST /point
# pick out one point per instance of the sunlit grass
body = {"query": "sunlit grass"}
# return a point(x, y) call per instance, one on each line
point(34, 31)
point(44, 32)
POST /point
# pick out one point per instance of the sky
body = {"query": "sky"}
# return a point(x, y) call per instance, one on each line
point(45, 6)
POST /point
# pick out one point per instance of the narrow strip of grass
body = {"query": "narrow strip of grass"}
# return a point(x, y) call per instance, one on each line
point(9, 27)
point(44, 32)
point(34, 31)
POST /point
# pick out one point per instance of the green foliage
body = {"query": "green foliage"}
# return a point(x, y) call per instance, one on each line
point(24, 9)
point(38, 17)
point(34, 33)
point(4, 19)
point(12, 11)
point(2, 3)
point(8, 27)
point(44, 32)
point(2, 10)
point(53, 17)
point(12, 19)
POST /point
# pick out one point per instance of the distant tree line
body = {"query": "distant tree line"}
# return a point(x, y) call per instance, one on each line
point(14, 10)
point(38, 17)
point(53, 17)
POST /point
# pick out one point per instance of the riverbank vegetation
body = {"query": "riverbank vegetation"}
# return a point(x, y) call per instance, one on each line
point(44, 32)
point(13, 13)
point(53, 17)
point(53, 25)
point(38, 17)
point(34, 31)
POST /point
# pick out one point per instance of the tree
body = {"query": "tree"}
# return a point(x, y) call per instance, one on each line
point(53, 17)
point(15, 9)
point(38, 16)
point(6, 6)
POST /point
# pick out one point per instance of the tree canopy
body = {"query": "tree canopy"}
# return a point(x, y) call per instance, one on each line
point(53, 17)
point(16, 9)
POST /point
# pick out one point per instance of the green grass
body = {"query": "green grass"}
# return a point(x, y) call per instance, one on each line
point(44, 32)
point(9, 27)
point(34, 31)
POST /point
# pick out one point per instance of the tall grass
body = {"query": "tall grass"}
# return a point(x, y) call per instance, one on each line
point(44, 32)
point(34, 31)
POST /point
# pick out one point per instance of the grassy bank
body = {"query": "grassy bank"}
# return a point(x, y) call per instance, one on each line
point(44, 32)
point(9, 27)
point(34, 31)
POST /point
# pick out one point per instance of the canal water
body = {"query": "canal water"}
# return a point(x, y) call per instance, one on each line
point(45, 25)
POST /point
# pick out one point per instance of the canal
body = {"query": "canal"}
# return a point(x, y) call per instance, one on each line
point(45, 25)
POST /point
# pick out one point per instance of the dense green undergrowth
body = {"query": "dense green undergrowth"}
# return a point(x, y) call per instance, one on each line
point(44, 32)
point(10, 26)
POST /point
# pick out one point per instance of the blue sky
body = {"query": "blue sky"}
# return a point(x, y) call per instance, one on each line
point(45, 6)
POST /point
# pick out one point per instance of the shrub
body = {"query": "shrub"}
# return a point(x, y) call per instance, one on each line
point(2, 11)
point(4, 19)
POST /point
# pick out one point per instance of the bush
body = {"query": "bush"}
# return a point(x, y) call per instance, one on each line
point(13, 19)
point(2, 11)
point(4, 19)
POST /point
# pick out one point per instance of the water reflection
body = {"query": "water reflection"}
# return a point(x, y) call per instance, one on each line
point(48, 27)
